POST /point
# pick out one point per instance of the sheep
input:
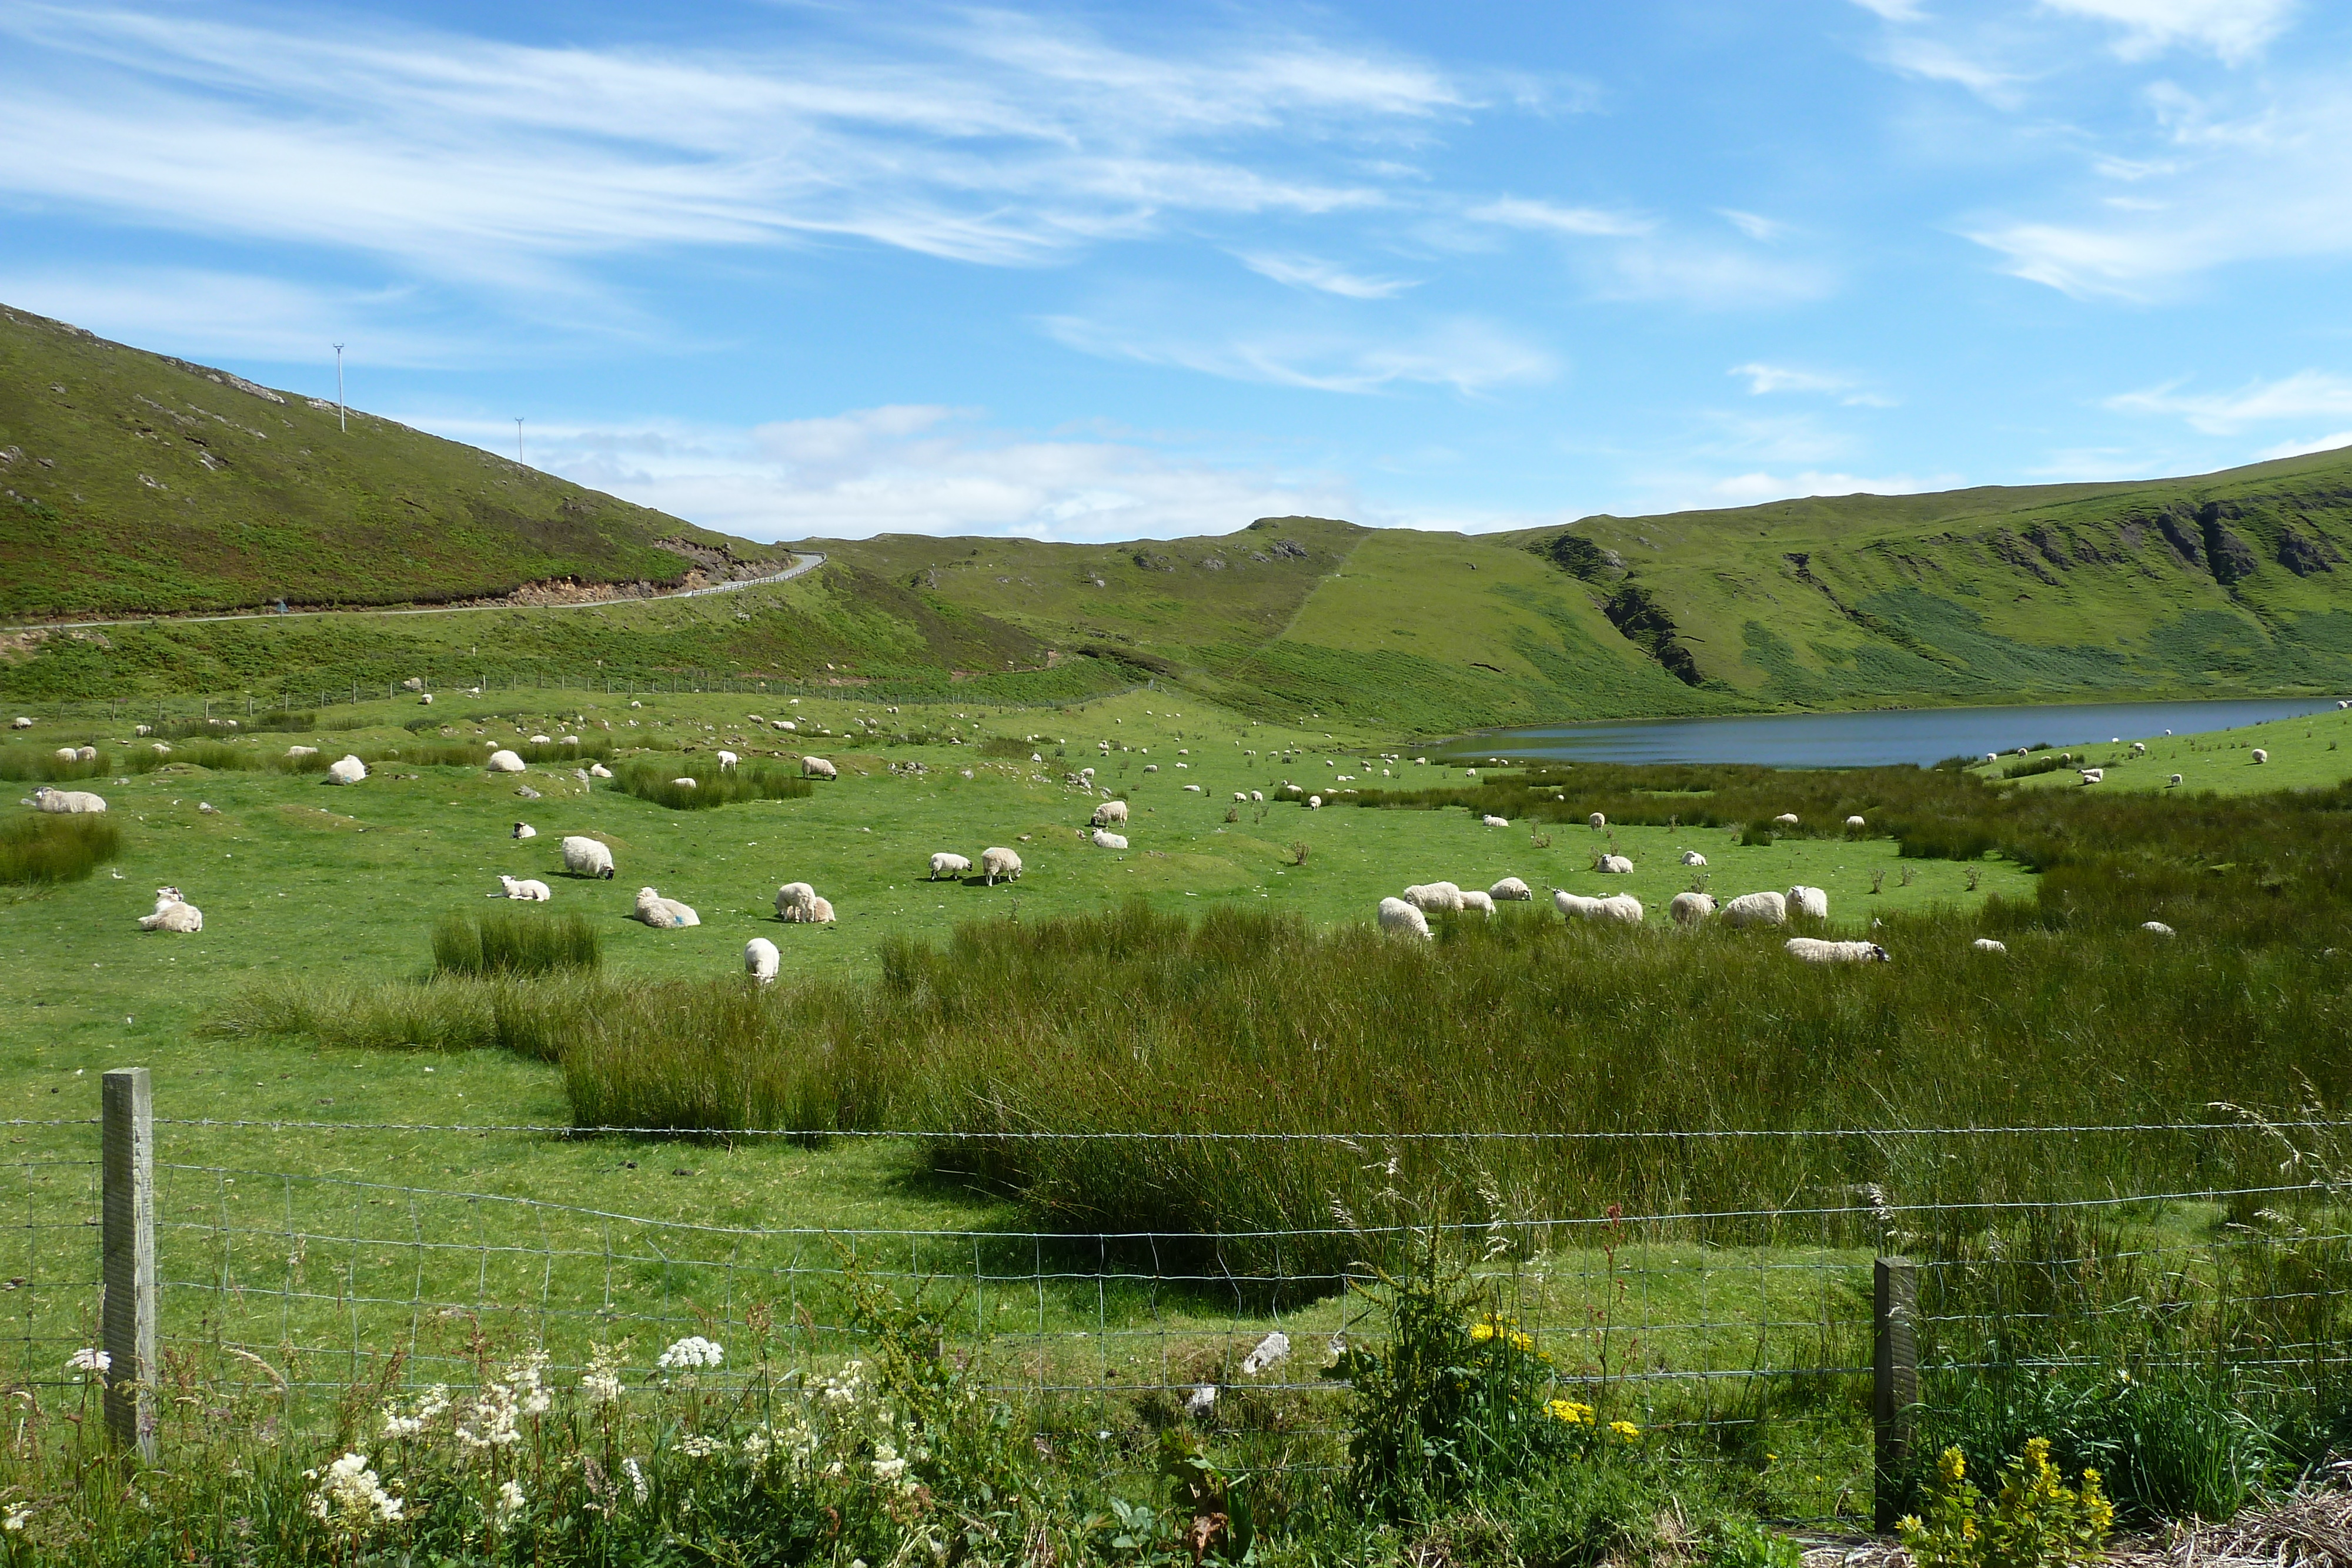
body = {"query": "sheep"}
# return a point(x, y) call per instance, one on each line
point(504, 761)
point(20, 722)
point(1814, 950)
point(2139, 749)
point(349, 770)
point(1691, 857)
point(2260, 755)
point(1756, 909)
point(663, 913)
point(760, 959)
point(1484, 904)
point(173, 913)
point(524, 831)
point(598, 770)
point(533, 891)
point(2174, 779)
point(1992, 757)
point(1598, 821)
point(1105, 839)
point(68, 802)
point(727, 760)
point(161, 749)
point(1314, 802)
point(795, 900)
point(1785, 819)
point(85, 754)
point(68, 754)
point(2093, 775)
point(425, 701)
point(1497, 821)
point(301, 751)
point(1622, 907)
point(1987, 944)
point(997, 862)
point(540, 740)
point(946, 865)
point(1854, 824)
point(1434, 897)
point(787, 725)
point(1396, 915)
point(1257, 796)
point(2156, 927)
point(142, 729)
point(686, 783)
point(1613, 866)
point(818, 767)
point(1193, 788)
point(820, 912)
point(587, 857)
point(1510, 890)
point(1241, 796)
point(1809, 902)
point(1691, 908)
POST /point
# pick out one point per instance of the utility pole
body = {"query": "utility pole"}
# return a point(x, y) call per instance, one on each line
point(339, 389)
point(518, 438)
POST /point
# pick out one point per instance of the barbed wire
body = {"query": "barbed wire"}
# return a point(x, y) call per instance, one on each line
point(1047, 1136)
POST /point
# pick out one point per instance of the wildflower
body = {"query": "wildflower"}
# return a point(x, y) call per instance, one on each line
point(639, 1487)
point(1625, 1429)
point(531, 1397)
point(695, 1446)
point(510, 1500)
point(601, 1382)
point(429, 1408)
point(490, 1421)
point(351, 1496)
point(689, 1354)
point(1952, 1467)
point(1569, 1411)
point(18, 1512)
point(89, 1360)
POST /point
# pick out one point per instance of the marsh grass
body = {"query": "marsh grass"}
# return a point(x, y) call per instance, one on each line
point(514, 942)
point(713, 787)
point(44, 848)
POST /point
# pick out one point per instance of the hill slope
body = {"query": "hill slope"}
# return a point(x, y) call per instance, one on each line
point(131, 484)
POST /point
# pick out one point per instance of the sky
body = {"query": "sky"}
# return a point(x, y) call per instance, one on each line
point(1110, 272)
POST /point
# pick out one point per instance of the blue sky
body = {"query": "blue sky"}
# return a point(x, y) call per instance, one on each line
point(1110, 272)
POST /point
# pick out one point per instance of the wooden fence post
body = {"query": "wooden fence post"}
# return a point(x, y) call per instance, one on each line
point(1893, 1380)
point(127, 1255)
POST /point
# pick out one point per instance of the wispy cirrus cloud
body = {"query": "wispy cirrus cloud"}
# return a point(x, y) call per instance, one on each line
point(1468, 355)
point(2235, 31)
point(1552, 218)
point(1329, 277)
point(2303, 396)
point(1764, 380)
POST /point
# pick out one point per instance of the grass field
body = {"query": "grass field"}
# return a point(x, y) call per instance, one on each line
point(2304, 753)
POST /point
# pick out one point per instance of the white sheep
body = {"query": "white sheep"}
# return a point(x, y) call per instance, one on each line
point(534, 891)
point(1474, 900)
point(1434, 897)
point(999, 861)
point(1257, 796)
point(67, 803)
point(1510, 890)
point(1613, 866)
point(161, 749)
point(1854, 824)
point(818, 767)
point(1987, 944)
point(587, 857)
point(1756, 909)
point(2156, 927)
point(20, 722)
point(1691, 908)
point(1622, 907)
point(348, 770)
point(1193, 789)
point(1314, 802)
point(666, 914)
point(1396, 915)
point(524, 831)
point(1691, 857)
point(1809, 902)
point(686, 783)
point(1785, 819)
point(760, 959)
point(2139, 749)
point(142, 729)
point(1598, 821)
point(2260, 755)
point(68, 754)
point(2093, 775)
point(173, 913)
point(946, 865)
point(540, 740)
point(1814, 950)
point(1104, 839)
point(727, 760)
point(425, 701)
point(301, 750)
point(1241, 796)
point(1497, 821)
point(504, 761)
point(598, 770)
point(787, 725)
point(2174, 779)
point(795, 902)
point(820, 912)
point(1992, 757)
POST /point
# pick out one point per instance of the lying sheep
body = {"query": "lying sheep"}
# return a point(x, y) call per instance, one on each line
point(946, 865)
point(67, 803)
point(686, 783)
point(1809, 902)
point(1496, 821)
point(533, 891)
point(1756, 909)
point(1691, 857)
point(1434, 897)
point(587, 857)
point(426, 701)
point(524, 831)
point(664, 913)
point(1691, 908)
point(1479, 903)
point(1987, 944)
point(1623, 907)
point(349, 770)
point(999, 861)
point(20, 722)
point(1510, 890)
point(1613, 866)
point(1814, 950)
point(760, 959)
point(2093, 775)
point(598, 770)
point(818, 767)
point(539, 740)
point(173, 913)
point(1396, 915)
point(2156, 927)
point(820, 912)
point(301, 751)
point(504, 761)
point(1104, 839)
point(795, 903)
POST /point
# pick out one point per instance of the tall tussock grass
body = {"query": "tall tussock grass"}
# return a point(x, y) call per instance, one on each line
point(712, 786)
point(46, 848)
point(514, 942)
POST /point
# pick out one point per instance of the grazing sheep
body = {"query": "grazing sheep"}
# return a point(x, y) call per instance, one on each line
point(1987, 944)
point(68, 754)
point(504, 761)
point(1813, 950)
point(1691, 857)
point(598, 770)
point(85, 754)
point(1472, 899)
point(2093, 775)
point(664, 914)
point(524, 831)
point(349, 770)
point(727, 760)
point(1598, 821)
point(2156, 927)
point(1434, 897)
point(67, 803)
point(2174, 779)
point(1622, 907)
point(534, 891)
point(1396, 915)
point(1497, 821)
point(820, 912)
point(301, 751)
point(999, 861)
point(1691, 908)
point(1992, 757)
point(795, 900)
point(2139, 749)
point(173, 913)
point(1855, 824)
point(1241, 796)
point(2260, 755)
point(946, 865)
point(587, 857)
point(1809, 902)
point(142, 729)
point(1785, 819)
point(1510, 890)
point(818, 767)
point(1614, 865)
point(1105, 839)
point(1314, 802)
point(1756, 909)
point(1257, 796)
point(760, 959)
point(539, 740)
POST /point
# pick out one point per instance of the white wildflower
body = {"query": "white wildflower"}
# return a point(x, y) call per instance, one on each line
point(510, 1500)
point(847, 1386)
point(429, 1408)
point(692, 1352)
point(351, 1497)
point(695, 1446)
point(601, 1382)
point(89, 1360)
point(887, 1465)
point(531, 1397)
point(489, 1420)
point(18, 1512)
point(639, 1487)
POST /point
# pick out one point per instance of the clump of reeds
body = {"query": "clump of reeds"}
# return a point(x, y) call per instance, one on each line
point(712, 786)
point(46, 848)
point(514, 942)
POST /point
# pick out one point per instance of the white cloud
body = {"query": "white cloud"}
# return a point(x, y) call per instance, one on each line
point(1307, 272)
point(1468, 355)
point(1748, 489)
point(1932, 59)
point(209, 316)
point(1548, 218)
point(1894, 10)
point(913, 469)
point(2303, 395)
point(2299, 449)
point(1763, 229)
point(2234, 30)
point(1708, 276)
point(1764, 380)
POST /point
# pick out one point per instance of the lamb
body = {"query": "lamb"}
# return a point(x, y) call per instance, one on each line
point(760, 959)
point(349, 770)
point(1434, 897)
point(664, 913)
point(1104, 839)
point(533, 891)
point(1691, 857)
point(727, 760)
point(1814, 950)
point(818, 767)
point(820, 912)
point(1756, 909)
point(1785, 819)
point(1598, 821)
point(1691, 908)
point(1497, 821)
point(946, 865)
point(1854, 824)
point(1614, 865)
point(1623, 907)
point(1809, 902)
point(795, 903)
point(1987, 944)
point(1396, 915)
point(1257, 796)
point(999, 861)
point(2260, 755)
point(587, 857)
point(173, 913)
point(1510, 890)
point(504, 761)
point(301, 751)
point(68, 802)
point(1484, 904)
point(1314, 802)
point(525, 831)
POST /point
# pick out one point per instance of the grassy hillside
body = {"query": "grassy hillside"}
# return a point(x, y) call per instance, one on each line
point(130, 482)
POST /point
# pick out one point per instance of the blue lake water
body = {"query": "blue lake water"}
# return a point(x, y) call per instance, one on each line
point(1879, 738)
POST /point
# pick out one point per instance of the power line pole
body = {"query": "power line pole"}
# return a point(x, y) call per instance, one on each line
point(518, 438)
point(339, 389)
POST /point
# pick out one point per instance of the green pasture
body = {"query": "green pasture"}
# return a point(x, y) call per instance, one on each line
point(2305, 753)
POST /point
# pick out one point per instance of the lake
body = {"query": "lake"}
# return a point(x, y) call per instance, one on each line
point(1878, 738)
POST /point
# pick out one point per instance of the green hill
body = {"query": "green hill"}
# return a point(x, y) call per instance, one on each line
point(135, 483)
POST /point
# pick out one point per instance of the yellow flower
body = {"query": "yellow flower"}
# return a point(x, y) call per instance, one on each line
point(1952, 1467)
point(1569, 1411)
point(1625, 1429)
point(1482, 1332)
point(1907, 1523)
